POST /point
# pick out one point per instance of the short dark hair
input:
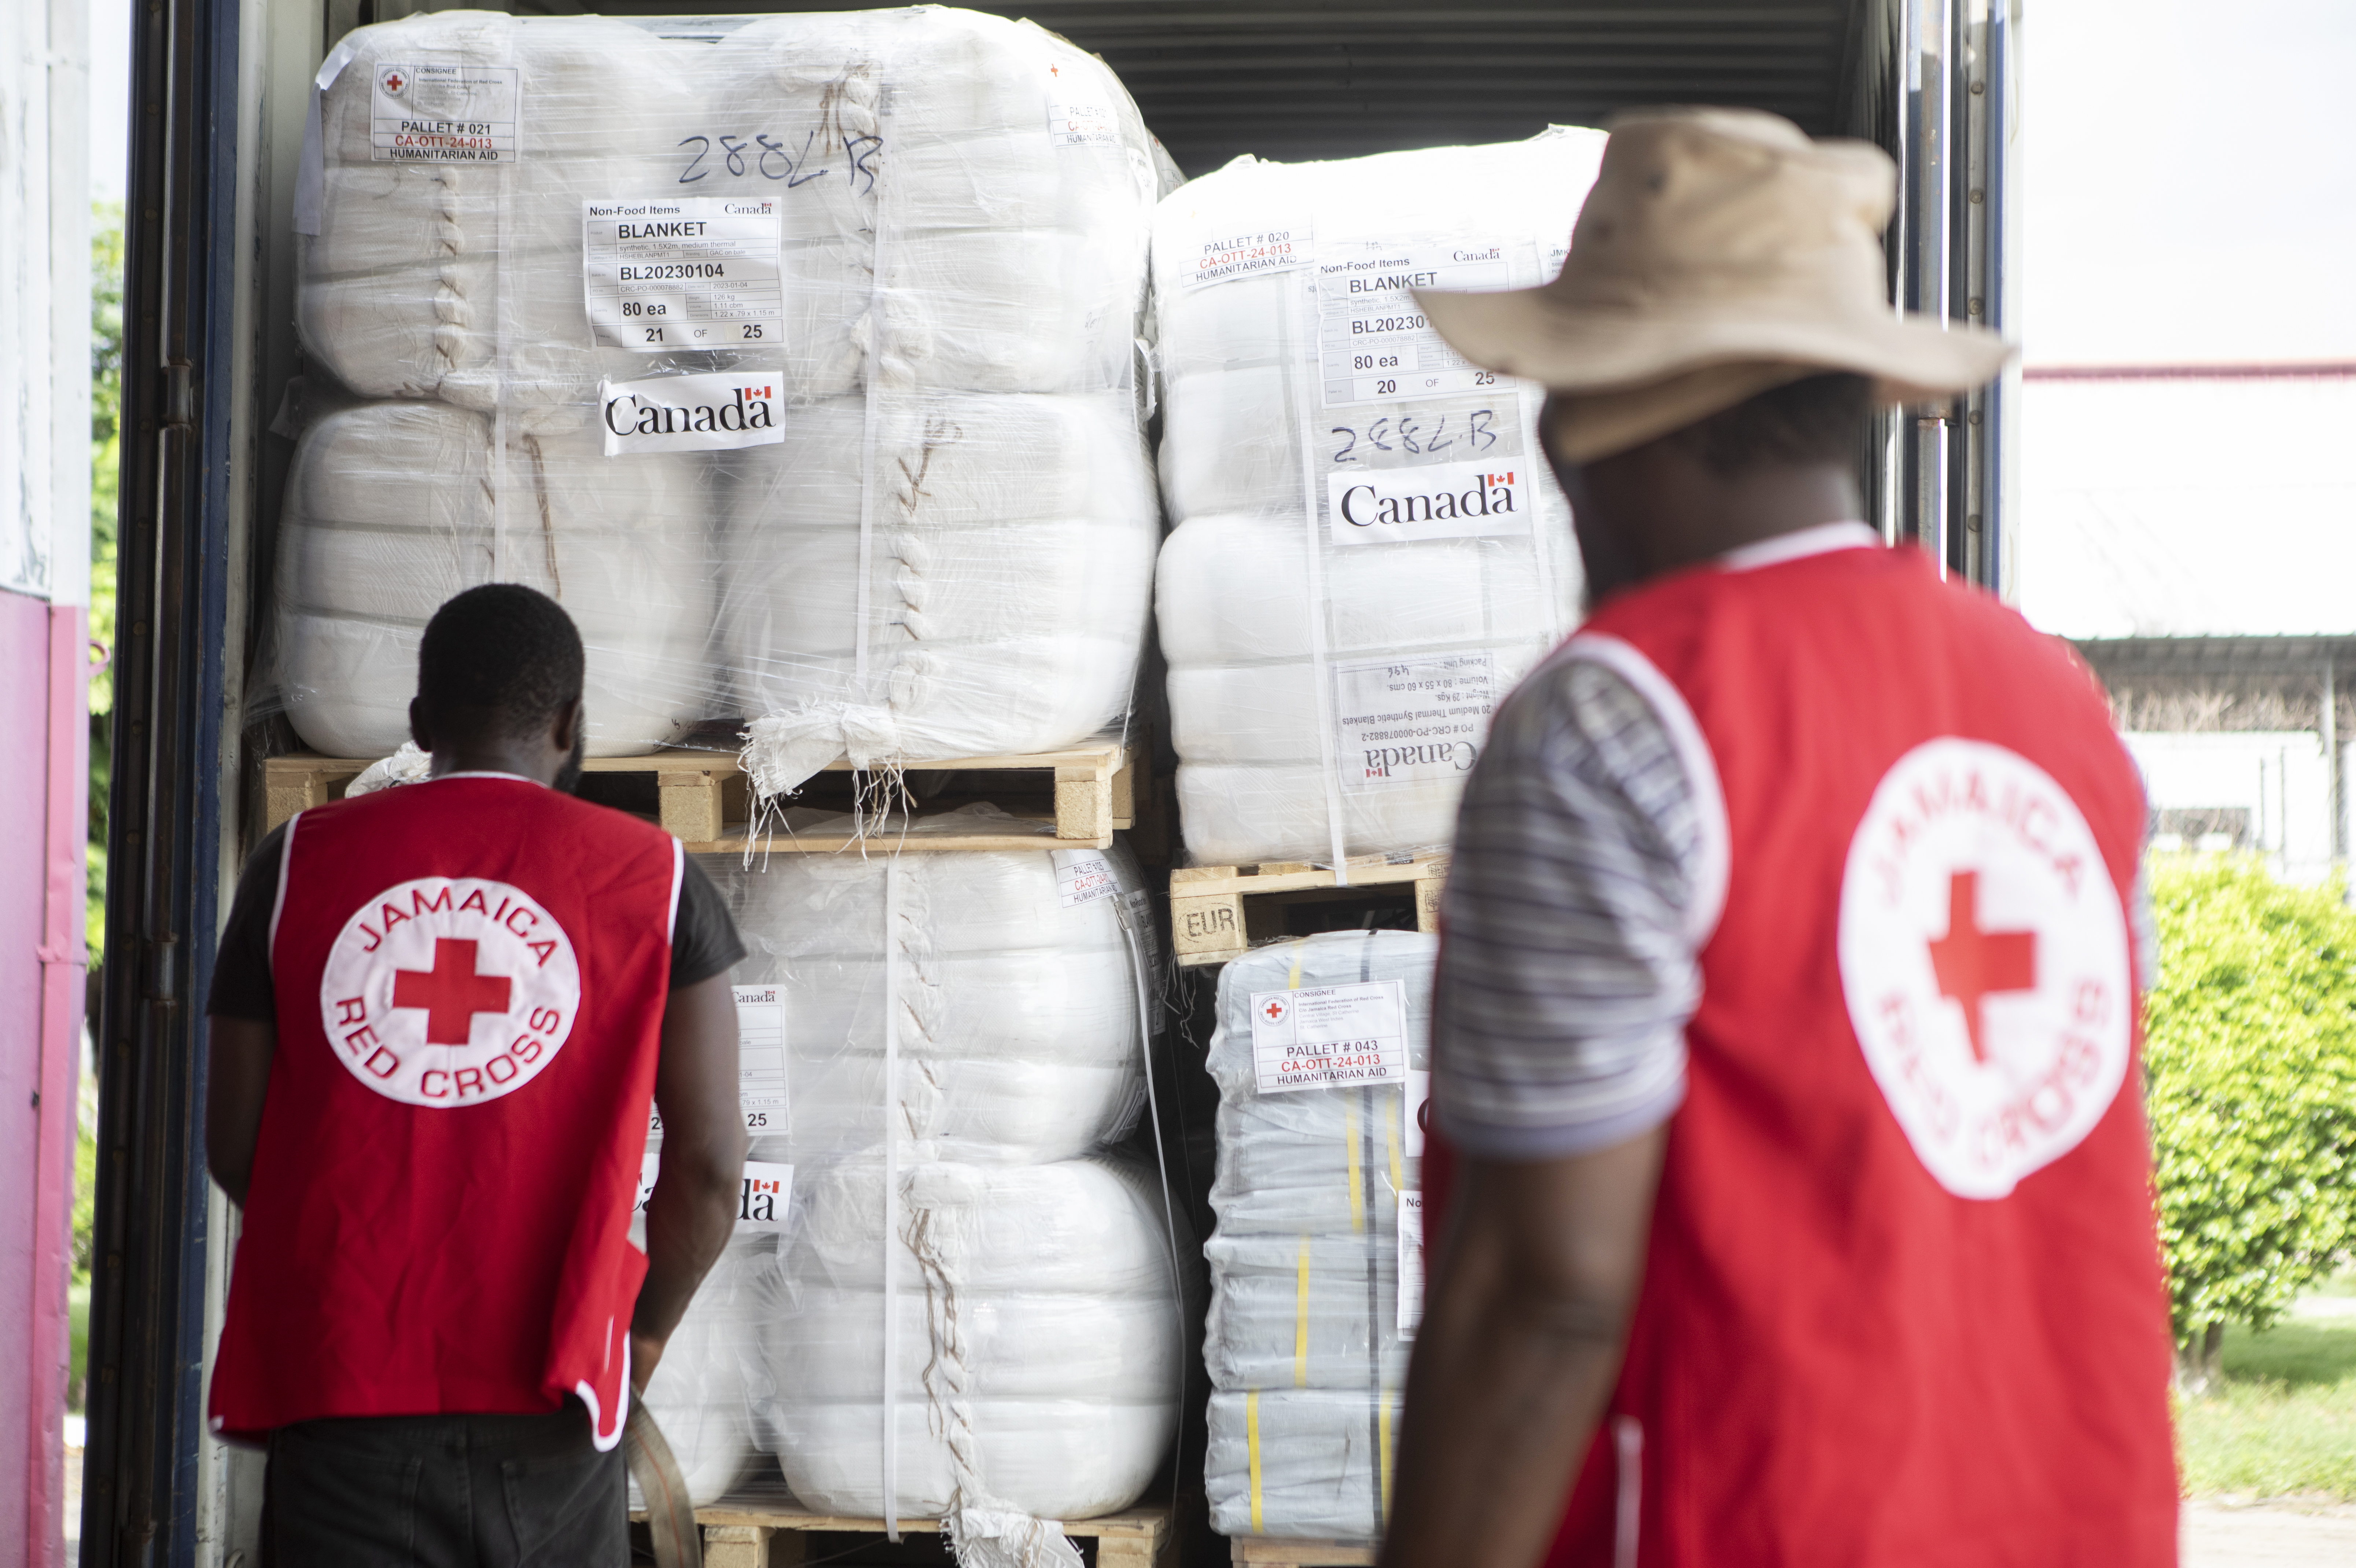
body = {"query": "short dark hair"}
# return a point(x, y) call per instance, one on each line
point(1817, 419)
point(502, 656)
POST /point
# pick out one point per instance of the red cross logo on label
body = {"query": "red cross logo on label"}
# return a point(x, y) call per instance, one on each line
point(445, 991)
point(1274, 1009)
point(394, 82)
point(1984, 957)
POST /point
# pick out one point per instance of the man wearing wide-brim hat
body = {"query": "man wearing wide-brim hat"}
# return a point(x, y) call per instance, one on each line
point(1796, 1201)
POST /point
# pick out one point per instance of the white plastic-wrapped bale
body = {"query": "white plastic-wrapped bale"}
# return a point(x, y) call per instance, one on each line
point(1367, 552)
point(1002, 983)
point(390, 508)
point(1036, 1347)
point(958, 575)
point(697, 1394)
point(1304, 1348)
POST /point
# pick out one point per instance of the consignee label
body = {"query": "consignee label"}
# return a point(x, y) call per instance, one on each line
point(1327, 1037)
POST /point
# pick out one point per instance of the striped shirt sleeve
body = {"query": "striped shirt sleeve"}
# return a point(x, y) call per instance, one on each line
point(1570, 968)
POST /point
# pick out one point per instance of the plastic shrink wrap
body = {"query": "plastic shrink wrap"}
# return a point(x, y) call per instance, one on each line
point(388, 511)
point(1305, 1350)
point(1367, 552)
point(962, 1031)
point(929, 229)
point(697, 1394)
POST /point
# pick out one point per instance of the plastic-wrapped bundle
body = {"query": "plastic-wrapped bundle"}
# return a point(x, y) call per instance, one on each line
point(982, 185)
point(1012, 1013)
point(390, 508)
point(1036, 1341)
point(991, 596)
point(1367, 554)
point(1303, 1347)
point(697, 1395)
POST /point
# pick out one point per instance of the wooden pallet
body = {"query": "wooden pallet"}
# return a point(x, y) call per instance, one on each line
point(1267, 1552)
point(1219, 912)
point(704, 798)
point(745, 1532)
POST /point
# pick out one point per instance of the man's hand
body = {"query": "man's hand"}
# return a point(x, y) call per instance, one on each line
point(693, 1209)
point(1523, 1330)
point(238, 1053)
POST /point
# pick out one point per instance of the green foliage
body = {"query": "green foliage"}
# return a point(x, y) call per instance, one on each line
point(2251, 1067)
point(2283, 1419)
point(105, 447)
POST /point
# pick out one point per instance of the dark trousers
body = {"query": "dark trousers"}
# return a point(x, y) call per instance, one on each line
point(445, 1491)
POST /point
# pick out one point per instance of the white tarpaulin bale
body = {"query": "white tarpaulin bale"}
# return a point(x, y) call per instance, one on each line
point(1331, 702)
point(1007, 562)
point(697, 1394)
point(1303, 1341)
point(1015, 1013)
point(1038, 1340)
point(389, 511)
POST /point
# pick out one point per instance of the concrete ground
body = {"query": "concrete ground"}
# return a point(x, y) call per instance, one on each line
point(2276, 1533)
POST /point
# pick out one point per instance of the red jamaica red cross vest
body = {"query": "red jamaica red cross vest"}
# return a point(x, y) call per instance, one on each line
point(1903, 1302)
point(470, 976)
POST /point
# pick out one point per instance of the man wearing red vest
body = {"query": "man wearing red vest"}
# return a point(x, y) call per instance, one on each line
point(438, 1017)
point(1786, 1030)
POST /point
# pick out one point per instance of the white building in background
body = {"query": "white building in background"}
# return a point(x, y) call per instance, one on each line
point(2192, 530)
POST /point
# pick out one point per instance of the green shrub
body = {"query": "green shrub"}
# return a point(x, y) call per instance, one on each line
point(2250, 1084)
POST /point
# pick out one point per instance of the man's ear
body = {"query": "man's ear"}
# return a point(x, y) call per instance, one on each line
point(419, 730)
point(566, 728)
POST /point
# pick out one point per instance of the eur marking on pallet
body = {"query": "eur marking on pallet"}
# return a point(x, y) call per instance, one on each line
point(1219, 912)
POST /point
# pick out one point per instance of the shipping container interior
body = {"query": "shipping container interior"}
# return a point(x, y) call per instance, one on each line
point(1312, 79)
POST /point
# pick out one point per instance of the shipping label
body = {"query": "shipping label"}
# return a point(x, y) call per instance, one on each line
point(1083, 877)
point(1075, 119)
point(1247, 252)
point(1410, 1263)
point(1434, 500)
point(1419, 1112)
point(761, 1088)
point(766, 1197)
point(1329, 1036)
point(1412, 721)
point(696, 272)
point(1372, 342)
point(712, 412)
point(436, 114)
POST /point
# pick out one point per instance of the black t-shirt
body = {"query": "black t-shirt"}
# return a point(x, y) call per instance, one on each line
point(703, 939)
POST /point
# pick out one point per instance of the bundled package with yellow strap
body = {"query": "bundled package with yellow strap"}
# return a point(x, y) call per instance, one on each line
point(1320, 1061)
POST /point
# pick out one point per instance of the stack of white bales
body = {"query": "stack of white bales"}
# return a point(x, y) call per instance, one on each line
point(1305, 1350)
point(1331, 677)
point(951, 551)
point(963, 1034)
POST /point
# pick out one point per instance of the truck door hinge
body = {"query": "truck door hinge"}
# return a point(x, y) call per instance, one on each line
point(179, 393)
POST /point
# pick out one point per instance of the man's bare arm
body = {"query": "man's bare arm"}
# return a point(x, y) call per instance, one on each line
point(237, 1073)
point(1523, 1326)
point(693, 1207)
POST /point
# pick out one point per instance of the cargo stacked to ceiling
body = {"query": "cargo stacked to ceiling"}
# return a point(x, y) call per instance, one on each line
point(1365, 553)
point(799, 358)
point(794, 355)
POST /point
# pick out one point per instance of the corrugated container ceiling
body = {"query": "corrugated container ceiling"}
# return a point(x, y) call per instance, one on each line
point(1296, 81)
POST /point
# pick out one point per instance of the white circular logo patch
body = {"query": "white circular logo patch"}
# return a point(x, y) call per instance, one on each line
point(449, 991)
point(1984, 955)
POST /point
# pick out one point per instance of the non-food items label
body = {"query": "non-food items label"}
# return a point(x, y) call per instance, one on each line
point(1432, 500)
point(1372, 342)
point(1327, 1037)
point(711, 413)
point(1409, 721)
point(429, 112)
point(691, 271)
point(1410, 1263)
point(761, 1088)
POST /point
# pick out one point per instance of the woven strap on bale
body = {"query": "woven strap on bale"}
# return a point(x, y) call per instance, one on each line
point(671, 1517)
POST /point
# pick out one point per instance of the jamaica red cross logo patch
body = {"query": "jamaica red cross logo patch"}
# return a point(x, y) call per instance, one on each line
point(1983, 957)
point(449, 991)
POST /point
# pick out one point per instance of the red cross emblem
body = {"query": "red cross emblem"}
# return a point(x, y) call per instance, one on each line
point(393, 82)
point(1273, 1010)
point(451, 992)
point(1055, 70)
point(1972, 964)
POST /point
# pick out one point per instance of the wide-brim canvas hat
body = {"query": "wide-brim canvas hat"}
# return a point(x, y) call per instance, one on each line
point(1720, 252)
